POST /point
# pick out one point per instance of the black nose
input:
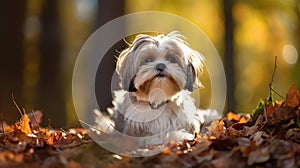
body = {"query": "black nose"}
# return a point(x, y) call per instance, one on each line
point(160, 67)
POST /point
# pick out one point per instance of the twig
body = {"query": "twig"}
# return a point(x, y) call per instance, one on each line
point(16, 105)
point(275, 66)
point(272, 80)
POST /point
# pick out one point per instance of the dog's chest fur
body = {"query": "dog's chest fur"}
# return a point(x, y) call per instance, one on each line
point(136, 118)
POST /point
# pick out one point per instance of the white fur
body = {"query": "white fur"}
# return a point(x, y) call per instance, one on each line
point(177, 114)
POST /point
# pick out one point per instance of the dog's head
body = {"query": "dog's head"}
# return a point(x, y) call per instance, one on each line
point(164, 62)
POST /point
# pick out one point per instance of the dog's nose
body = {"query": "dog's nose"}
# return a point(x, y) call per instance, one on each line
point(160, 67)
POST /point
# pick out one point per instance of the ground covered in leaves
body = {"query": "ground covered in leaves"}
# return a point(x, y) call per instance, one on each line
point(270, 137)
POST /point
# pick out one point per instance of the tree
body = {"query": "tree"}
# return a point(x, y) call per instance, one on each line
point(229, 53)
point(50, 94)
point(12, 15)
point(108, 10)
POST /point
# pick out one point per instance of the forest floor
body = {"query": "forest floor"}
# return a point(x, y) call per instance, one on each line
point(270, 137)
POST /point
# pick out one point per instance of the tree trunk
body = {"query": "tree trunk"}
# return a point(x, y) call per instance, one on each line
point(12, 14)
point(108, 10)
point(229, 54)
point(51, 99)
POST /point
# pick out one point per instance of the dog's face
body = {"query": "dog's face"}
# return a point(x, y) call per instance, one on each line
point(159, 66)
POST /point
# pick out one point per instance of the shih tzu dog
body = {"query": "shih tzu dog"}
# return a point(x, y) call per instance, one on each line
point(158, 74)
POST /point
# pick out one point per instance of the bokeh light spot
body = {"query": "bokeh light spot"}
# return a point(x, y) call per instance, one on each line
point(290, 54)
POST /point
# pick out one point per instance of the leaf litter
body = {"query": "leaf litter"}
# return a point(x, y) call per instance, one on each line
point(269, 137)
point(26, 143)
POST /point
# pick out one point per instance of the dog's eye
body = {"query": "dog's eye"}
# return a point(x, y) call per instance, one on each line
point(148, 59)
point(171, 59)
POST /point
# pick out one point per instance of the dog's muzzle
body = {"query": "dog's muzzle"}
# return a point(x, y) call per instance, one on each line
point(160, 67)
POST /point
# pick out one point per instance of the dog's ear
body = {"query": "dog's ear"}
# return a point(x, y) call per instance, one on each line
point(123, 68)
point(194, 60)
point(132, 87)
point(127, 62)
point(190, 72)
point(194, 70)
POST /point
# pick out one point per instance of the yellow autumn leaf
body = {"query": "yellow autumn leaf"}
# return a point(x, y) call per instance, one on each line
point(25, 124)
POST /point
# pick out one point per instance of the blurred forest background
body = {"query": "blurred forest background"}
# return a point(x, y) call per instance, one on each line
point(40, 40)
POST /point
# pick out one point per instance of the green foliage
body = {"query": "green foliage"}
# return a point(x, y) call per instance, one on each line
point(270, 99)
point(261, 104)
point(258, 111)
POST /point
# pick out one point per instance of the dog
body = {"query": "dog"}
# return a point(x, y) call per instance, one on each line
point(158, 74)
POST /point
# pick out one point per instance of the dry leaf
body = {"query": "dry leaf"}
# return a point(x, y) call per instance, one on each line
point(35, 118)
point(292, 97)
point(201, 147)
point(242, 120)
point(217, 127)
point(281, 149)
point(283, 114)
point(270, 110)
point(259, 155)
point(25, 124)
point(232, 116)
point(208, 157)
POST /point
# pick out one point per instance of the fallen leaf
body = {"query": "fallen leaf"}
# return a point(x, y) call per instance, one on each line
point(35, 118)
point(281, 149)
point(293, 134)
point(201, 147)
point(25, 124)
point(207, 157)
point(242, 120)
point(232, 132)
point(292, 97)
point(260, 123)
point(259, 155)
point(282, 114)
point(216, 128)
point(232, 116)
point(259, 137)
point(54, 138)
point(270, 110)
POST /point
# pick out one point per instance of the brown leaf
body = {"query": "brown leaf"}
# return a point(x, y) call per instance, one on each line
point(224, 144)
point(35, 118)
point(270, 110)
point(259, 155)
point(217, 127)
point(207, 157)
point(292, 97)
point(259, 137)
point(245, 146)
point(293, 134)
point(232, 132)
point(282, 114)
point(281, 149)
point(54, 138)
point(260, 123)
point(201, 147)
